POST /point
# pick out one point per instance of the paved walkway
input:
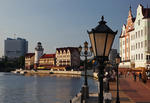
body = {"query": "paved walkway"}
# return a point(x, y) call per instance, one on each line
point(130, 91)
point(136, 91)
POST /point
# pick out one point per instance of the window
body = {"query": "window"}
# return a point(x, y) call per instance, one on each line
point(141, 32)
point(136, 34)
point(131, 47)
point(141, 44)
point(123, 50)
point(138, 45)
point(145, 43)
point(123, 59)
point(146, 57)
point(141, 56)
point(123, 42)
point(136, 56)
point(138, 22)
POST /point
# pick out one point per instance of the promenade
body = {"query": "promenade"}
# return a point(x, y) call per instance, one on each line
point(130, 91)
point(135, 91)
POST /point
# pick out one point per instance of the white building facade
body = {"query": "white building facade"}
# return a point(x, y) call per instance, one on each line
point(135, 40)
point(14, 48)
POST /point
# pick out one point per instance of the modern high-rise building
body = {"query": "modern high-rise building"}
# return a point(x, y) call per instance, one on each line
point(135, 39)
point(14, 48)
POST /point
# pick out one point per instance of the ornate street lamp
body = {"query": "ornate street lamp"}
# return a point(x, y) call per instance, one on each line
point(101, 38)
point(118, 59)
point(85, 53)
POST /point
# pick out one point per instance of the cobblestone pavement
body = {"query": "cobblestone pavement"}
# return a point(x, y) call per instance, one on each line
point(130, 91)
point(123, 97)
point(136, 91)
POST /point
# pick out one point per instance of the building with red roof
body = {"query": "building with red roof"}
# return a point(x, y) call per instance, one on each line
point(47, 61)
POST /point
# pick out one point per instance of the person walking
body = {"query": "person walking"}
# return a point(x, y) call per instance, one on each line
point(140, 76)
point(134, 77)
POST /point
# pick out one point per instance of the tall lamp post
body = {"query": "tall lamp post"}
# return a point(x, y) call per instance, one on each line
point(85, 54)
point(118, 59)
point(101, 38)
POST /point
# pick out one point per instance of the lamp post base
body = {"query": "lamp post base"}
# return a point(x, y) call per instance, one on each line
point(117, 100)
point(85, 92)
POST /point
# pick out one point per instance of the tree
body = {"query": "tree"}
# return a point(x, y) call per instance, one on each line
point(21, 61)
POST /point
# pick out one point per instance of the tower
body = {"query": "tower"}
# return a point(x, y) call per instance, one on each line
point(38, 53)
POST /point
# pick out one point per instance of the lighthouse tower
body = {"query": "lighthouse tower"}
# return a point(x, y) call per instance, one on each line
point(38, 53)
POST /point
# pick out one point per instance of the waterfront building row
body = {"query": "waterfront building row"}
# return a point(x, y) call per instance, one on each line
point(64, 57)
point(135, 39)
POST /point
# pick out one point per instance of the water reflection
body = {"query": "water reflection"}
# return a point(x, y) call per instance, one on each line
point(40, 89)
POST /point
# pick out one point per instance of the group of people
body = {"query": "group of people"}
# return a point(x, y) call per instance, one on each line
point(135, 75)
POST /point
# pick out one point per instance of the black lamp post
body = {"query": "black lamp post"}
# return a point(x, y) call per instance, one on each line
point(118, 59)
point(85, 54)
point(101, 38)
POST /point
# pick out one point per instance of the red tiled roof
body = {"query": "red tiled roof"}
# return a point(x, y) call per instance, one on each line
point(48, 56)
point(29, 55)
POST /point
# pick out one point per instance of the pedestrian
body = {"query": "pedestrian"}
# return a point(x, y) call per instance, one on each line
point(128, 73)
point(134, 77)
point(140, 76)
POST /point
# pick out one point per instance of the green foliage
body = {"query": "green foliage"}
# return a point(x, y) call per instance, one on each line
point(7, 64)
point(21, 62)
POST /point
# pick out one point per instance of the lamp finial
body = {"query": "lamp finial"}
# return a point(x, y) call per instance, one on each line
point(102, 18)
point(102, 21)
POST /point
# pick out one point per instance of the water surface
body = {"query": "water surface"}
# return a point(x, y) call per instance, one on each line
point(41, 89)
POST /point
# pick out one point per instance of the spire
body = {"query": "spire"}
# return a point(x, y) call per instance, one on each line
point(130, 12)
point(130, 7)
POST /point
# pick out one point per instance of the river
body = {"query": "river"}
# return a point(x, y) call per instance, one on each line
point(41, 89)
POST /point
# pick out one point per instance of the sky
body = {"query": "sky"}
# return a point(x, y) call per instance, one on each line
point(61, 23)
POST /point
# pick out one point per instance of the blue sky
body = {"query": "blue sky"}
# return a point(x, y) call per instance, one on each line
point(60, 23)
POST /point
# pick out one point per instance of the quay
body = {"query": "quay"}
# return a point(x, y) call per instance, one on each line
point(20, 71)
point(130, 92)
